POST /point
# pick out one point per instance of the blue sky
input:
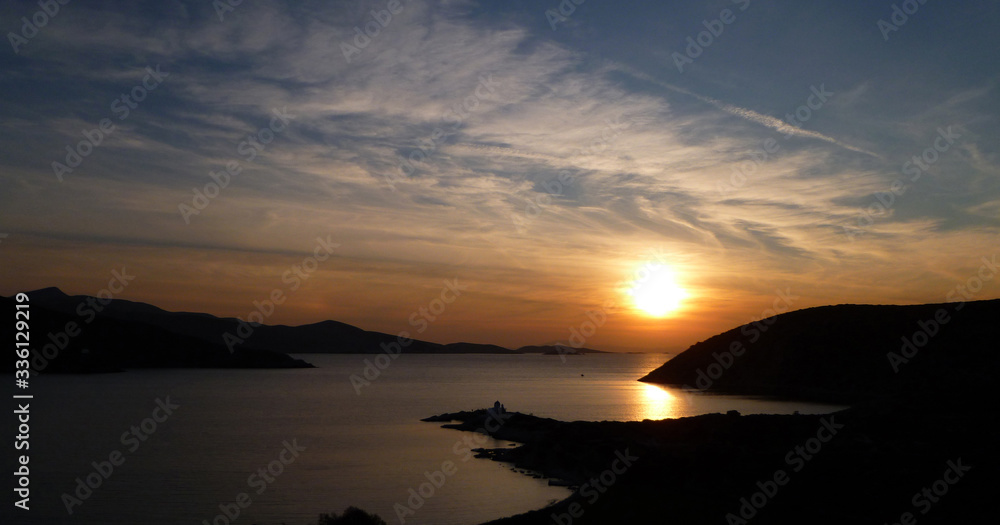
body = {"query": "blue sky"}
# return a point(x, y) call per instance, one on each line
point(577, 153)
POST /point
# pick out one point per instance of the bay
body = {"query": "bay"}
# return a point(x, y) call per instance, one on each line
point(342, 444)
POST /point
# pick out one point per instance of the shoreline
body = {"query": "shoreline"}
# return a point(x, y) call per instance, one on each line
point(866, 460)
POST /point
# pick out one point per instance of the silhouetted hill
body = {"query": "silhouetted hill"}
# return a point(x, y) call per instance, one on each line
point(557, 350)
point(69, 343)
point(474, 348)
point(118, 333)
point(842, 353)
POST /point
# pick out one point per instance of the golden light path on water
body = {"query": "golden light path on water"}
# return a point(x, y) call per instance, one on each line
point(654, 402)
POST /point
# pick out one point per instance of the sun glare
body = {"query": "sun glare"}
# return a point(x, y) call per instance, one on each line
point(655, 402)
point(655, 291)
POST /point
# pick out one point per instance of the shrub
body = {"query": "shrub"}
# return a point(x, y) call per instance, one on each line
point(351, 516)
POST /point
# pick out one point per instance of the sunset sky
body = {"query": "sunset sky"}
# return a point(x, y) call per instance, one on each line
point(545, 161)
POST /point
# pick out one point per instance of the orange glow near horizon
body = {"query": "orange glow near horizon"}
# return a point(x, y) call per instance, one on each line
point(654, 290)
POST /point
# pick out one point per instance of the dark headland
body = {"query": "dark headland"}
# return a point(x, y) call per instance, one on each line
point(843, 353)
point(918, 445)
point(85, 334)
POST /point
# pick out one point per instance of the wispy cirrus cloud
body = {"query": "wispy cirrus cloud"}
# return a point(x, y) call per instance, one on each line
point(645, 153)
point(781, 126)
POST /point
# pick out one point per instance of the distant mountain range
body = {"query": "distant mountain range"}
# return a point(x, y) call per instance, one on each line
point(557, 349)
point(113, 334)
point(845, 353)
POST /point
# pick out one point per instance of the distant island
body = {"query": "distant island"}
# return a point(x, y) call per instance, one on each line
point(557, 349)
point(84, 334)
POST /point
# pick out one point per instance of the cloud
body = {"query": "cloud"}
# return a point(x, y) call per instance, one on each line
point(645, 158)
point(747, 114)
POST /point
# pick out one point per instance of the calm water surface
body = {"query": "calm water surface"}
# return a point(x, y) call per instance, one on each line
point(365, 450)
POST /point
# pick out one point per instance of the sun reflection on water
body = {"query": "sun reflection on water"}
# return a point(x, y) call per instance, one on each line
point(655, 402)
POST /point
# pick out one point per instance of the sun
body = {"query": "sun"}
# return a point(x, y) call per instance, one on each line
point(654, 290)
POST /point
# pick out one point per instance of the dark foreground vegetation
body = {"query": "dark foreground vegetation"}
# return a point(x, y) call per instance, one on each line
point(868, 464)
point(351, 516)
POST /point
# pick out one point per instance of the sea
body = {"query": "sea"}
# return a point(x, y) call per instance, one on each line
point(224, 447)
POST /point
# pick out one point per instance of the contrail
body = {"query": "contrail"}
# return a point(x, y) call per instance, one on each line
point(506, 151)
point(743, 113)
